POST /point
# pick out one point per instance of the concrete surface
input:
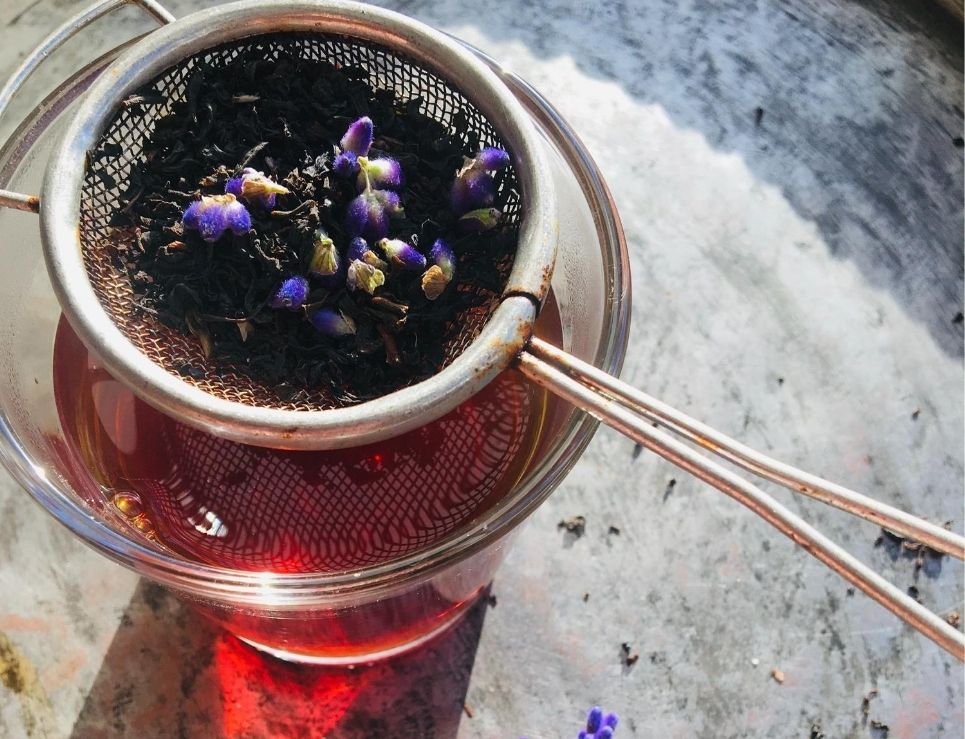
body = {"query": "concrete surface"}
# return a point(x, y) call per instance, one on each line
point(797, 274)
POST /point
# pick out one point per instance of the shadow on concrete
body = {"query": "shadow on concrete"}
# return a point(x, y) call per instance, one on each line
point(170, 673)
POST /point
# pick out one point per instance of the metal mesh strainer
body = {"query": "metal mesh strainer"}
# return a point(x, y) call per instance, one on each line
point(84, 185)
point(122, 146)
point(72, 217)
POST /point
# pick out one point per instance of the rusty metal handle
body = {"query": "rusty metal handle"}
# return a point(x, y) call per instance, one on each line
point(634, 414)
point(70, 27)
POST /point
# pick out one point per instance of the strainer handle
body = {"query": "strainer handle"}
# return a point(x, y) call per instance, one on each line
point(69, 28)
point(637, 415)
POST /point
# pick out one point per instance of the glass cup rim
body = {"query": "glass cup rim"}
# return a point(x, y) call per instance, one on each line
point(206, 580)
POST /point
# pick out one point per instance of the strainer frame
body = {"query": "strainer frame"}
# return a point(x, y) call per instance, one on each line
point(500, 341)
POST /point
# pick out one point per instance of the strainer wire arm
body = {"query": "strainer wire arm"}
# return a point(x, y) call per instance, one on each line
point(70, 27)
point(635, 415)
point(935, 537)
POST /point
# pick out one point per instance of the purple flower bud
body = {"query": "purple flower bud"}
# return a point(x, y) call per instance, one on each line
point(364, 276)
point(358, 138)
point(390, 201)
point(290, 294)
point(492, 159)
point(594, 719)
point(472, 189)
point(359, 249)
point(253, 186)
point(381, 173)
point(402, 255)
point(324, 255)
point(440, 274)
point(605, 733)
point(215, 214)
point(582, 735)
point(366, 216)
point(192, 215)
point(442, 256)
point(481, 219)
point(332, 322)
point(346, 164)
point(611, 720)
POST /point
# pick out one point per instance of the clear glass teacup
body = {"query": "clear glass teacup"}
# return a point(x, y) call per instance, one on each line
point(347, 617)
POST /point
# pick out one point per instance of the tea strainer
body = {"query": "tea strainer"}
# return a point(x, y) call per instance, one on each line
point(82, 192)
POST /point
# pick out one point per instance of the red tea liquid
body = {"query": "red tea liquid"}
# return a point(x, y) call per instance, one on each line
point(253, 508)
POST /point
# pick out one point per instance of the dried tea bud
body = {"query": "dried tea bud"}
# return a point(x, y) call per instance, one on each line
point(290, 294)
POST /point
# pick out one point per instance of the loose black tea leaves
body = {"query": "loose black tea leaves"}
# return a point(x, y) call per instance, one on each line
point(311, 231)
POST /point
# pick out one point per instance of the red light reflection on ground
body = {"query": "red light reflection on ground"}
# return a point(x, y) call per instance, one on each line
point(262, 696)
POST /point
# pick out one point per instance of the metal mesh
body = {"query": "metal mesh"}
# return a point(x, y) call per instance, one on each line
point(260, 509)
point(108, 176)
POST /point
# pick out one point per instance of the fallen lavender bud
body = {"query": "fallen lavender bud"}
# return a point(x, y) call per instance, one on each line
point(290, 294)
point(324, 259)
point(254, 187)
point(332, 322)
point(364, 276)
point(599, 725)
point(212, 215)
point(481, 219)
point(359, 136)
point(401, 254)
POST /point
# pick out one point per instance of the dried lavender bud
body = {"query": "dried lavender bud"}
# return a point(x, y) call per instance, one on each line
point(401, 254)
point(346, 164)
point(440, 274)
point(379, 173)
point(442, 256)
point(598, 725)
point(366, 217)
point(255, 187)
point(481, 219)
point(364, 276)
point(359, 136)
point(332, 322)
point(472, 189)
point(368, 214)
point(492, 159)
point(359, 249)
point(324, 257)
point(290, 294)
point(213, 215)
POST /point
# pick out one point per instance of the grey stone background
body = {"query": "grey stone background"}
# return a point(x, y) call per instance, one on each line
point(796, 283)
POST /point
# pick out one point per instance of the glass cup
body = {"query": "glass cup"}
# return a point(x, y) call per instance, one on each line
point(348, 617)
